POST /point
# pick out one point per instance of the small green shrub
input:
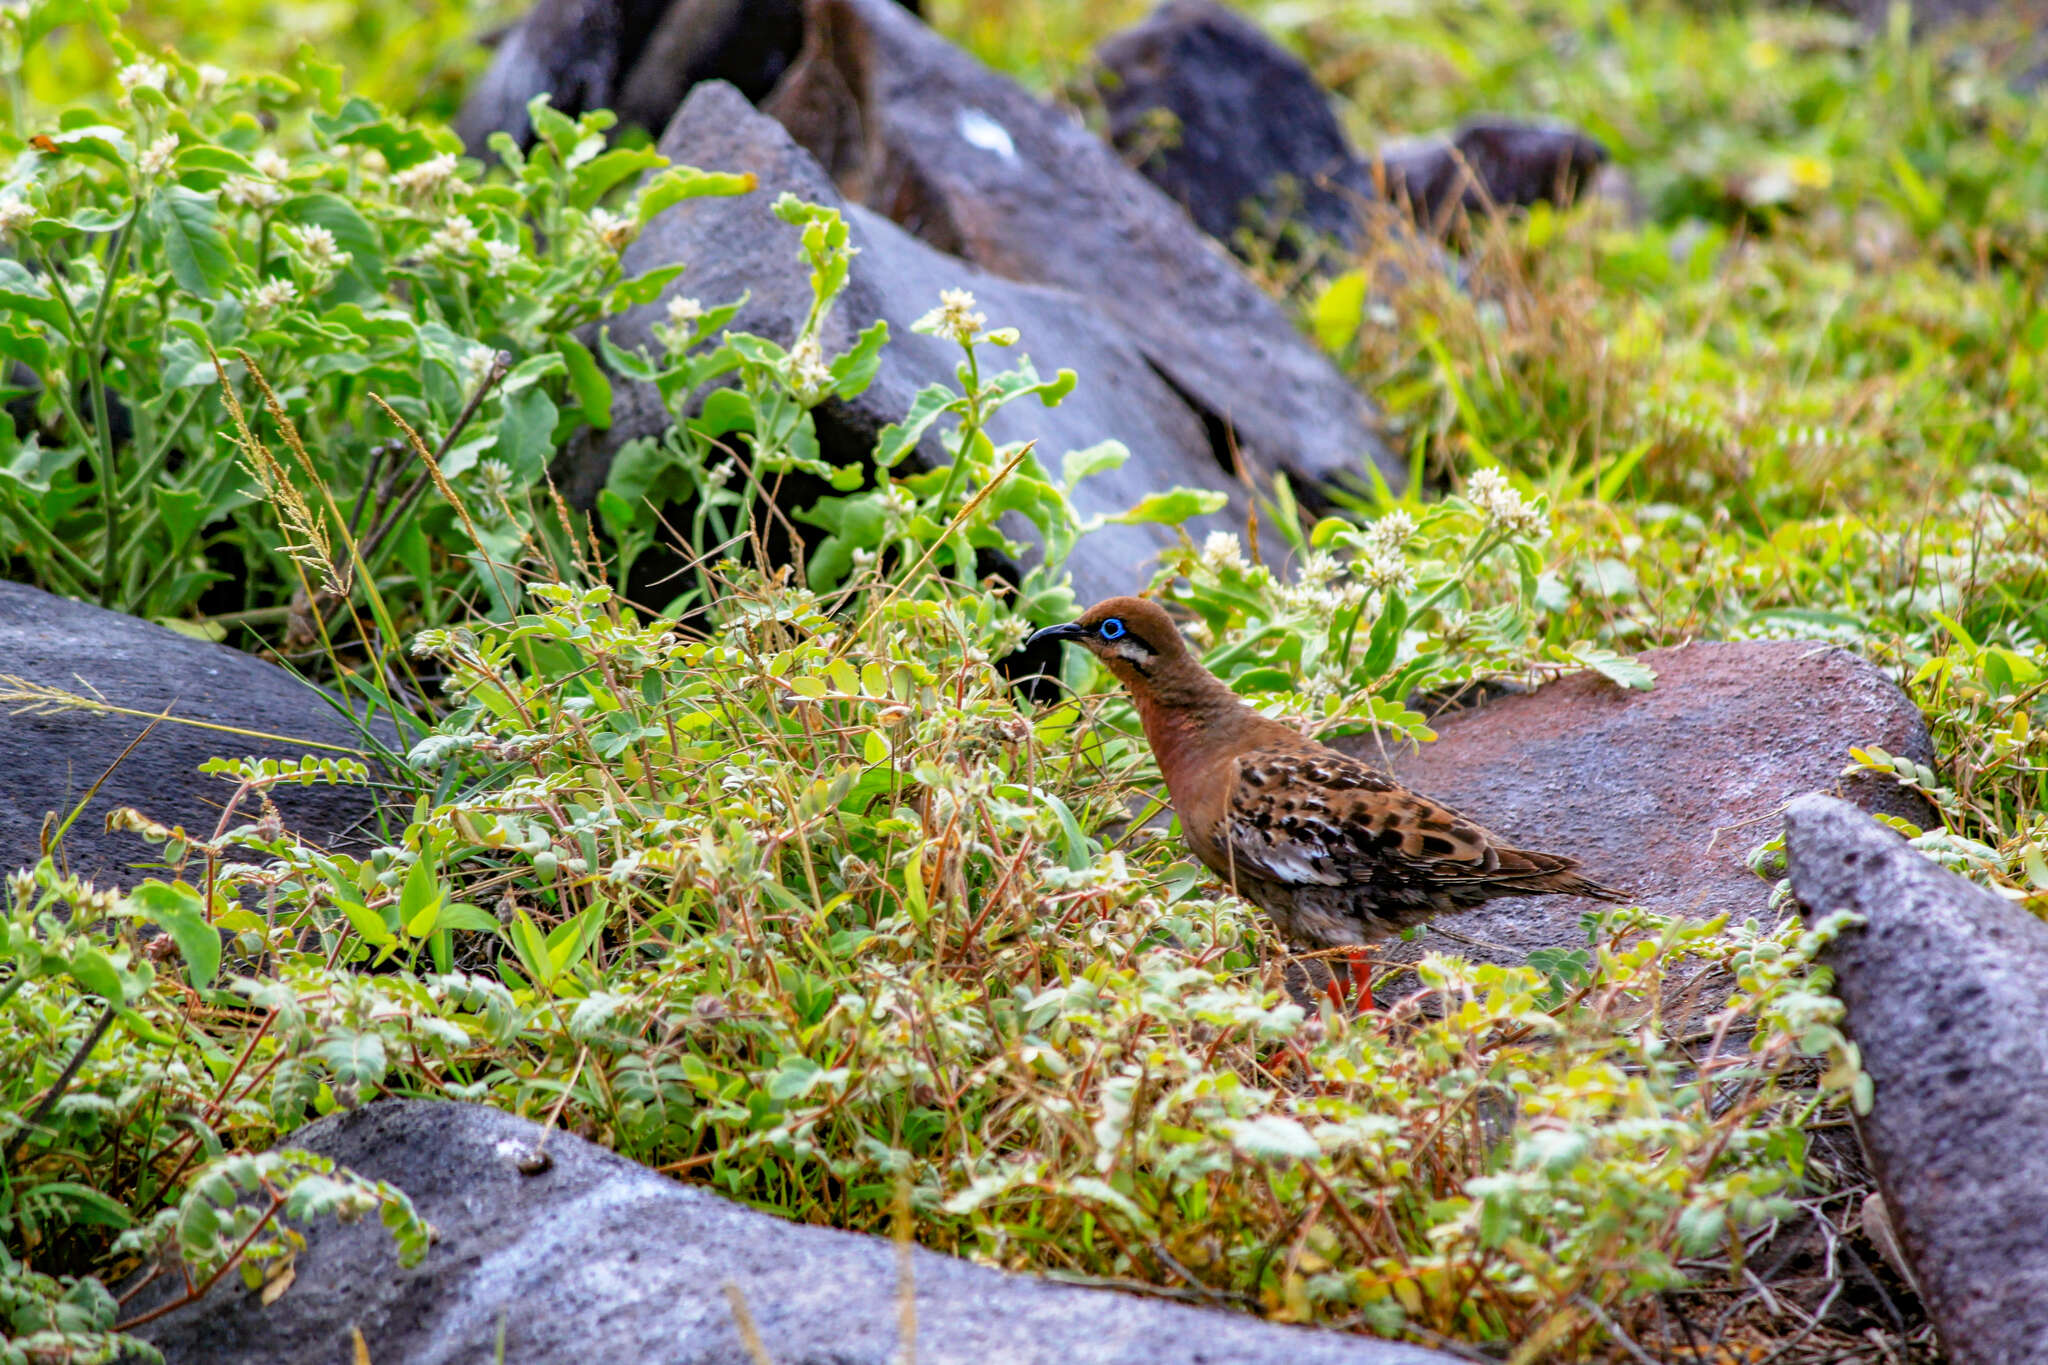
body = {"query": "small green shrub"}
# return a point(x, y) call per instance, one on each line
point(345, 268)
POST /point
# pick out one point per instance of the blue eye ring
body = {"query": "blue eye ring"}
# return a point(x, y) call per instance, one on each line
point(1112, 629)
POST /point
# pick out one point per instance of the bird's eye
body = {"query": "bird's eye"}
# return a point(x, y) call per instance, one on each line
point(1112, 629)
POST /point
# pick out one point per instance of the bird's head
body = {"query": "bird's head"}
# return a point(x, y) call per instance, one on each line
point(1134, 638)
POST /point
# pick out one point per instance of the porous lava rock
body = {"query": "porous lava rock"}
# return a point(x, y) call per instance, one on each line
point(51, 755)
point(1943, 988)
point(593, 1258)
point(1663, 793)
point(736, 246)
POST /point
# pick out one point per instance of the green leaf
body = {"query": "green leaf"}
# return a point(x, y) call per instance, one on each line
point(593, 391)
point(178, 910)
point(182, 509)
point(1172, 507)
point(22, 292)
point(352, 232)
point(1262, 680)
point(100, 140)
point(198, 255)
point(95, 971)
point(900, 438)
point(467, 917)
point(855, 370)
point(424, 920)
point(526, 436)
point(212, 160)
point(422, 889)
point(1272, 1137)
point(361, 124)
point(82, 1203)
point(531, 947)
point(678, 183)
point(1385, 640)
point(1337, 311)
point(1621, 669)
point(1099, 458)
point(367, 923)
point(589, 182)
point(355, 1057)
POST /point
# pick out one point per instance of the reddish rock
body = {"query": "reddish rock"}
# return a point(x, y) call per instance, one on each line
point(1664, 792)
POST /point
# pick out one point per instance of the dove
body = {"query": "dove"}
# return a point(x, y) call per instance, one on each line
point(1336, 852)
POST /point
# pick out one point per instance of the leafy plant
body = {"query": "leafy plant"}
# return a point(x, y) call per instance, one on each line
point(230, 252)
point(112, 1113)
point(946, 517)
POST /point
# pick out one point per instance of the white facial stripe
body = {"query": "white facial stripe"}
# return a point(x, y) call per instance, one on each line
point(1128, 648)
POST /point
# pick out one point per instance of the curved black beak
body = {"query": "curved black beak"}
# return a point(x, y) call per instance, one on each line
point(1072, 630)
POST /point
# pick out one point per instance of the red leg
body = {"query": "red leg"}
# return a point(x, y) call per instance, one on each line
point(1358, 966)
point(1334, 988)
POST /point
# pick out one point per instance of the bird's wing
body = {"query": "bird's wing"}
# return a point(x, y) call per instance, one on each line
point(1315, 817)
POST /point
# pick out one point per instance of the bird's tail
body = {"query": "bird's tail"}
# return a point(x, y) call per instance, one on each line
point(1552, 874)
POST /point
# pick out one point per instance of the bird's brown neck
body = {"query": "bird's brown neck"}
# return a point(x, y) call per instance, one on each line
point(1191, 719)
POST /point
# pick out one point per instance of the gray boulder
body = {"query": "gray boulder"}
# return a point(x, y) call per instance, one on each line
point(576, 51)
point(638, 58)
point(1943, 985)
point(1222, 118)
point(594, 1258)
point(1225, 120)
point(918, 130)
point(51, 755)
point(737, 246)
point(1662, 793)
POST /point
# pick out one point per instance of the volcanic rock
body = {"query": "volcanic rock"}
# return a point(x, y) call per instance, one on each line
point(591, 1257)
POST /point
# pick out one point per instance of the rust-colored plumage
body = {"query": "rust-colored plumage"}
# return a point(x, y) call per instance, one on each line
point(1337, 852)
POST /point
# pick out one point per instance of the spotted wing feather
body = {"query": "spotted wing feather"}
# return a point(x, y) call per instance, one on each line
point(1316, 818)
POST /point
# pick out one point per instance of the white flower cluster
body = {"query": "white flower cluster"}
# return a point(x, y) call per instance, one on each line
point(612, 231)
point(1382, 561)
point(156, 157)
point(16, 213)
point(684, 312)
point(1490, 492)
point(1392, 531)
point(807, 371)
point(211, 79)
point(143, 75)
point(1221, 551)
point(427, 178)
point(1386, 568)
point(457, 237)
point(476, 364)
point(954, 317)
point(270, 296)
point(681, 328)
point(1321, 586)
point(258, 191)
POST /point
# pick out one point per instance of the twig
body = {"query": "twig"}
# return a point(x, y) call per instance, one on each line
point(193, 1295)
point(56, 1091)
point(743, 1319)
point(1613, 1328)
